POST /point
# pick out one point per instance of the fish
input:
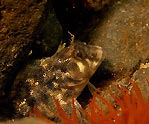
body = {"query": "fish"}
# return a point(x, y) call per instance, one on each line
point(65, 73)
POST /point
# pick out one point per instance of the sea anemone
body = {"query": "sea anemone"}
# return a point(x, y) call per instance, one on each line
point(131, 109)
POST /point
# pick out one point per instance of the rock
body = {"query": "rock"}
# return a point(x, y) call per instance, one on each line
point(25, 26)
point(141, 76)
point(49, 34)
point(27, 120)
point(123, 34)
point(75, 14)
point(95, 4)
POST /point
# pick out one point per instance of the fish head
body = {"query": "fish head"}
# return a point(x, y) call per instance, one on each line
point(80, 63)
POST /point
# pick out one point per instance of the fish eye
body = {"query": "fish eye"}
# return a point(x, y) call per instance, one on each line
point(79, 54)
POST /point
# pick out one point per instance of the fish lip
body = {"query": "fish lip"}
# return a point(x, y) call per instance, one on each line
point(100, 54)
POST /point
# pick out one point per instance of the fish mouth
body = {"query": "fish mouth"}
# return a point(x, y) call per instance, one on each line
point(97, 55)
point(97, 58)
point(99, 52)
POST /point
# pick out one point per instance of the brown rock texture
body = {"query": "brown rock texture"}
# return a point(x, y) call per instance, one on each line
point(123, 34)
point(25, 27)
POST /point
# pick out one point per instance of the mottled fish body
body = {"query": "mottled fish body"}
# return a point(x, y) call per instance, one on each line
point(67, 71)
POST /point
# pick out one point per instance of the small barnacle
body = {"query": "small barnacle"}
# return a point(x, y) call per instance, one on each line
point(59, 61)
point(44, 64)
point(30, 80)
point(13, 49)
point(44, 75)
point(66, 60)
point(37, 83)
point(22, 103)
point(56, 77)
point(55, 84)
point(31, 92)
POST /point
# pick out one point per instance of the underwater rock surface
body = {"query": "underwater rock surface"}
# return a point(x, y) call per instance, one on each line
point(22, 24)
point(123, 35)
point(28, 120)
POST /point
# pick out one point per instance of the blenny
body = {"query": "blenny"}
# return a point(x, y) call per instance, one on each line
point(67, 71)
